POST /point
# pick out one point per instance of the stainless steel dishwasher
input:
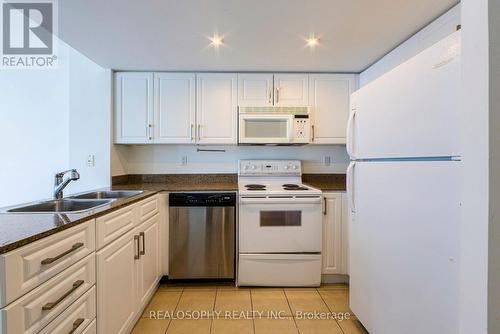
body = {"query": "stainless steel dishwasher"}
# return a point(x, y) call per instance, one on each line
point(202, 233)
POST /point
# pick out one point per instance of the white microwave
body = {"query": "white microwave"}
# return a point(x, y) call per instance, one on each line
point(274, 126)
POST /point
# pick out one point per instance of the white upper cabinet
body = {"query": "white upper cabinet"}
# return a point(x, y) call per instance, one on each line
point(329, 98)
point(175, 108)
point(255, 89)
point(291, 89)
point(133, 107)
point(216, 108)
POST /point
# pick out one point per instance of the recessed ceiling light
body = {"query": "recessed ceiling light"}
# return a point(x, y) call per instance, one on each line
point(216, 41)
point(312, 41)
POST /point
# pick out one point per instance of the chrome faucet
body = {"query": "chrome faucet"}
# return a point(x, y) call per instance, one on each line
point(60, 183)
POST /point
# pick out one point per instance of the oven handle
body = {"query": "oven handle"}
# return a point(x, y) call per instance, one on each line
point(280, 200)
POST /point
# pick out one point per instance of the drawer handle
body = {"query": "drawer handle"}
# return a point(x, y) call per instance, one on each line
point(138, 255)
point(51, 305)
point(143, 251)
point(73, 248)
point(76, 324)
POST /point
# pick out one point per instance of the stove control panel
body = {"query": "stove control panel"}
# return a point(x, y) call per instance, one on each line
point(270, 167)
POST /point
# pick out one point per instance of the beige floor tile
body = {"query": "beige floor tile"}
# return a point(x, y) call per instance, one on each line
point(189, 326)
point(352, 327)
point(197, 300)
point(232, 288)
point(169, 288)
point(275, 326)
point(265, 289)
point(337, 300)
point(233, 300)
point(268, 301)
point(316, 326)
point(147, 326)
point(162, 301)
point(334, 286)
point(305, 301)
point(231, 326)
point(206, 287)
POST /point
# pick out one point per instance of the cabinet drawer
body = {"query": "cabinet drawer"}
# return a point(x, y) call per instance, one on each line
point(76, 318)
point(33, 311)
point(91, 329)
point(24, 269)
point(148, 208)
point(115, 224)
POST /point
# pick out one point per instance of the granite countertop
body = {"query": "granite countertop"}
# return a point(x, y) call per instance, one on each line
point(19, 229)
point(325, 182)
point(177, 182)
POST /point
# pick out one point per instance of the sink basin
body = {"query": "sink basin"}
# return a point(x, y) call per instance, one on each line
point(108, 194)
point(60, 206)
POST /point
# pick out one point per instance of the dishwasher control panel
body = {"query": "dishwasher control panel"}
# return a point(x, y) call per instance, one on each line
point(202, 199)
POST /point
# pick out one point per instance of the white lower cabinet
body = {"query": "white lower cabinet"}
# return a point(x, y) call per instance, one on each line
point(128, 271)
point(335, 224)
point(117, 284)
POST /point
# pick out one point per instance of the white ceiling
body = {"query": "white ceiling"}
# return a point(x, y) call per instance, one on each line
point(263, 35)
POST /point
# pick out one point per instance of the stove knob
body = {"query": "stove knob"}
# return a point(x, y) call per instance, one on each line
point(245, 167)
point(295, 167)
point(254, 167)
point(286, 167)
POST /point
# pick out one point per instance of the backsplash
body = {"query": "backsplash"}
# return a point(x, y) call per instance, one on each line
point(168, 159)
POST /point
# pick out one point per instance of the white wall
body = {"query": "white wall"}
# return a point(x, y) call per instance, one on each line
point(494, 170)
point(437, 30)
point(90, 122)
point(166, 159)
point(474, 224)
point(33, 130)
point(49, 121)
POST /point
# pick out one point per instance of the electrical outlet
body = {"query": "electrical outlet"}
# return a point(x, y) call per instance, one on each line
point(91, 160)
point(184, 160)
point(327, 161)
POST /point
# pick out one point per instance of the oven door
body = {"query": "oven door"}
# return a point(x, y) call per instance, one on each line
point(280, 224)
point(265, 129)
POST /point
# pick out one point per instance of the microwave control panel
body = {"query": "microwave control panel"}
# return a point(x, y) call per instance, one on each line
point(301, 129)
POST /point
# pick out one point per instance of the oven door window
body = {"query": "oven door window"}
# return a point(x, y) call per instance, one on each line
point(267, 128)
point(280, 218)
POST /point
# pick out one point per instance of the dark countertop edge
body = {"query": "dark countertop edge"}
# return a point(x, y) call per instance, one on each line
point(38, 236)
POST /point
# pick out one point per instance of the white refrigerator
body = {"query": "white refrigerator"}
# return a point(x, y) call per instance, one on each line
point(403, 193)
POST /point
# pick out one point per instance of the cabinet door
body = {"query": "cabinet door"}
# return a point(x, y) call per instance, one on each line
point(174, 108)
point(133, 107)
point(332, 233)
point(149, 264)
point(329, 98)
point(216, 108)
point(291, 89)
point(255, 89)
point(117, 285)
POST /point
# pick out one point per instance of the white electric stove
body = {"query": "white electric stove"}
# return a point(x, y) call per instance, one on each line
point(280, 225)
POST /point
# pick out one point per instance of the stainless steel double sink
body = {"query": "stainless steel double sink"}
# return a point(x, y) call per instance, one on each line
point(75, 204)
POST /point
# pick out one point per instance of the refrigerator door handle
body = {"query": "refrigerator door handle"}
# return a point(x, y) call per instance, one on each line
point(350, 186)
point(350, 132)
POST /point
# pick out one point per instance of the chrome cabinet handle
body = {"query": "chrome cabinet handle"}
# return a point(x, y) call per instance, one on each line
point(191, 132)
point(137, 256)
point(270, 95)
point(143, 251)
point(76, 324)
point(277, 94)
point(73, 248)
point(312, 128)
point(49, 306)
point(325, 207)
point(150, 127)
point(199, 131)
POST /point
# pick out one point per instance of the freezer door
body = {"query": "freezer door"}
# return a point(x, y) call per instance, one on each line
point(413, 110)
point(404, 246)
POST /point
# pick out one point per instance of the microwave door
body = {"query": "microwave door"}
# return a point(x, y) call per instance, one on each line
point(265, 129)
